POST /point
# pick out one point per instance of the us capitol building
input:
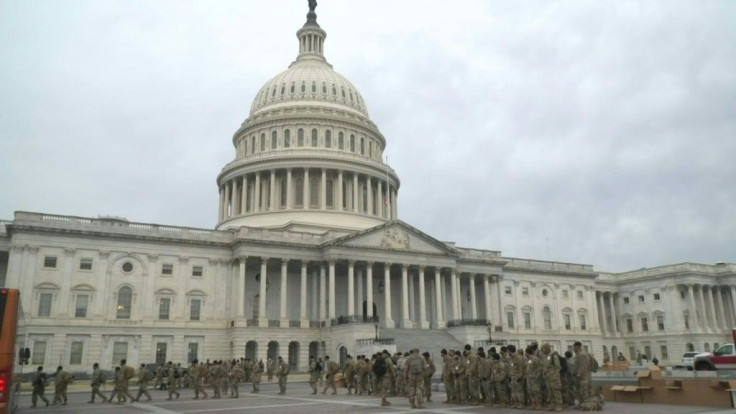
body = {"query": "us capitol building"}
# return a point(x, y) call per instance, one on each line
point(309, 256)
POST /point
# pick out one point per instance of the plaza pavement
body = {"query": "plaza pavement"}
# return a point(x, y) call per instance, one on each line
point(298, 399)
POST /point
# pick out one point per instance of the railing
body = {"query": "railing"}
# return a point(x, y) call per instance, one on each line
point(251, 322)
point(295, 324)
point(376, 341)
point(273, 323)
point(468, 322)
point(350, 319)
point(316, 324)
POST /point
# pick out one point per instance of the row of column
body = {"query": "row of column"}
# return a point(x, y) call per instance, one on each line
point(708, 307)
point(264, 191)
point(327, 293)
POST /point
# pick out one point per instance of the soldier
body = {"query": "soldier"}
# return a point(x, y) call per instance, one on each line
point(216, 375)
point(485, 377)
point(144, 375)
point(400, 359)
point(385, 372)
point(270, 367)
point(179, 376)
point(363, 371)
point(60, 385)
point(568, 380)
point(282, 373)
point(174, 377)
point(349, 373)
point(429, 371)
point(128, 373)
point(314, 372)
point(516, 374)
point(414, 368)
point(331, 369)
point(473, 380)
point(98, 378)
point(225, 379)
point(237, 374)
point(159, 383)
point(119, 390)
point(500, 373)
point(257, 373)
point(460, 366)
point(248, 368)
point(448, 376)
point(551, 375)
point(196, 378)
point(534, 378)
point(582, 372)
point(39, 385)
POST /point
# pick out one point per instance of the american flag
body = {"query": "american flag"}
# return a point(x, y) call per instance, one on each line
point(386, 198)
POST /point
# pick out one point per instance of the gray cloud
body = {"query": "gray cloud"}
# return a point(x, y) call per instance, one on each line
point(599, 133)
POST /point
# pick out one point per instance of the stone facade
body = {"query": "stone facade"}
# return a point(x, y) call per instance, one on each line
point(309, 257)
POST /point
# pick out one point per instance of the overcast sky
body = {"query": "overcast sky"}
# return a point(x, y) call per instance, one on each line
point(597, 132)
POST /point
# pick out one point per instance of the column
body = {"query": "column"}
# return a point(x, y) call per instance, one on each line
point(241, 288)
point(257, 193)
point(221, 210)
point(283, 316)
point(289, 190)
point(487, 296)
point(244, 196)
point(703, 318)
point(272, 191)
point(303, 302)
point(693, 309)
point(733, 301)
point(389, 323)
point(394, 205)
point(440, 323)
point(227, 200)
point(405, 321)
point(262, 318)
point(351, 287)
point(369, 290)
point(423, 324)
point(332, 289)
point(236, 198)
point(498, 300)
point(369, 191)
point(379, 194)
point(412, 299)
point(471, 282)
point(305, 189)
point(359, 293)
point(613, 312)
point(453, 293)
point(720, 304)
point(322, 293)
point(340, 196)
point(712, 308)
point(355, 193)
point(602, 311)
point(323, 190)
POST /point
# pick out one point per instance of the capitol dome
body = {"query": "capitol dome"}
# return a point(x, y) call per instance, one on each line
point(308, 157)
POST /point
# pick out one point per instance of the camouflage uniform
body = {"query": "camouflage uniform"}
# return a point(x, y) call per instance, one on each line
point(363, 370)
point(172, 386)
point(314, 374)
point(60, 385)
point(473, 379)
point(144, 376)
point(331, 371)
point(237, 375)
point(534, 381)
point(500, 373)
point(270, 368)
point(216, 374)
point(551, 375)
point(568, 382)
point(459, 367)
point(159, 383)
point(257, 373)
point(97, 380)
point(518, 366)
point(387, 381)
point(39, 385)
point(448, 377)
point(349, 372)
point(414, 368)
point(196, 375)
point(428, 373)
point(282, 373)
point(486, 378)
point(582, 374)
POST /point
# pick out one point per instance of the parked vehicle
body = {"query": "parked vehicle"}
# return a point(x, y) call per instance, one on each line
point(688, 359)
point(720, 359)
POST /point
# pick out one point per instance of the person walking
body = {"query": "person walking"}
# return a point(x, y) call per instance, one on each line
point(332, 370)
point(386, 373)
point(60, 386)
point(98, 378)
point(196, 375)
point(414, 368)
point(282, 373)
point(40, 380)
point(257, 374)
point(128, 373)
point(173, 375)
point(144, 375)
point(582, 371)
point(237, 375)
point(428, 373)
point(314, 372)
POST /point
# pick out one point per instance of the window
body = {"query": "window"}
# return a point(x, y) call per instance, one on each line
point(299, 189)
point(253, 144)
point(314, 193)
point(686, 318)
point(656, 296)
point(352, 143)
point(644, 325)
point(626, 300)
point(564, 294)
point(282, 193)
point(648, 351)
point(629, 325)
point(641, 298)
point(49, 262)
point(194, 309)
point(507, 290)
point(263, 142)
point(328, 139)
point(304, 87)
point(300, 137)
point(119, 352)
point(663, 352)
point(527, 320)
point(127, 267)
point(192, 354)
point(525, 291)
point(44, 305)
point(580, 294)
point(547, 316)
point(274, 140)
point(568, 321)
point(80, 308)
point(510, 319)
point(660, 322)
point(545, 292)
point(85, 264)
point(315, 138)
point(287, 138)
point(164, 309)
point(125, 298)
point(330, 193)
point(583, 325)
point(314, 87)
point(161, 353)
point(39, 353)
point(197, 271)
point(362, 146)
point(167, 269)
point(682, 294)
point(75, 353)
point(340, 140)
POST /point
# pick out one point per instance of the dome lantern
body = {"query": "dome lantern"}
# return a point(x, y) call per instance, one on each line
point(311, 37)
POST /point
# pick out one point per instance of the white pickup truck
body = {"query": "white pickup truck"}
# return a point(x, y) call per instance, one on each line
point(720, 359)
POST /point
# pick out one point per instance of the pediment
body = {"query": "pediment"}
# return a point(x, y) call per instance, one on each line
point(395, 236)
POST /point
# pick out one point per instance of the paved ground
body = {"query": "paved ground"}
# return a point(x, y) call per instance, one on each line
point(300, 400)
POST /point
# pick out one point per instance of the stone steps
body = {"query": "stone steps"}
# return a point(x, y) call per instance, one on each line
point(432, 341)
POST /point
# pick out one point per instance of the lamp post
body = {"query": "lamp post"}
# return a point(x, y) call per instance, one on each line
point(375, 325)
point(490, 332)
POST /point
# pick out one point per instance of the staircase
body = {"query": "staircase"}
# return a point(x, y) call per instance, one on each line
point(427, 340)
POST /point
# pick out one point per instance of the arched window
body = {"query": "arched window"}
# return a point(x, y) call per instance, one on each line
point(330, 193)
point(287, 138)
point(328, 138)
point(300, 137)
point(314, 192)
point(362, 146)
point(352, 143)
point(370, 149)
point(253, 144)
point(314, 87)
point(689, 347)
point(304, 86)
point(263, 142)
point(324, 88)
point(340, 140)
point(282, 185)
point(274, 140)
point(293, 87)
point(314, 138)
point(125, 300)
point(547, 316)
point(299, 188)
